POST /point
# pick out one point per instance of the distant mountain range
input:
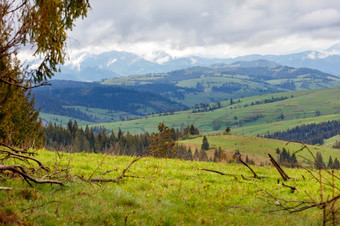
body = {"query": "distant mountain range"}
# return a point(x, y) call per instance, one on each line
point(128, 97)
point(117, 64)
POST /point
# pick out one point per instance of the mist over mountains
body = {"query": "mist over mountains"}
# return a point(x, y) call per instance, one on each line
point(113, 64)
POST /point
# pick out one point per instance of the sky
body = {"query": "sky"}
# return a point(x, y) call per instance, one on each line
point(207, 28)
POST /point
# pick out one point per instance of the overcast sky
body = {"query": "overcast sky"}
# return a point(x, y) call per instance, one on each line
point(210, 28)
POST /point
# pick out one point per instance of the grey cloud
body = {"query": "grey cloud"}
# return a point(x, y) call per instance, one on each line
point(185, 23)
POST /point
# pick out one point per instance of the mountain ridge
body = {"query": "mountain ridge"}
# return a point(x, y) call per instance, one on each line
point(95, 67)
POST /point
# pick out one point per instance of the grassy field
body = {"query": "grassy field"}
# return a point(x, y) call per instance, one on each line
point(167, 192)
point(300, 107)
point(257, 148)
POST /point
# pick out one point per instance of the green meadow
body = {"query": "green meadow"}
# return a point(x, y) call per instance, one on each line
point(162, 192)
point(243, 117)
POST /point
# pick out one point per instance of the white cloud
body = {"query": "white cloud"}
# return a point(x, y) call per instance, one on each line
point(214, 28)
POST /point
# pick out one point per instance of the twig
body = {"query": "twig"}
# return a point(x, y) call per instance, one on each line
point(6, 188)
point(101, 162)
point(292, 188)
point(214, 171)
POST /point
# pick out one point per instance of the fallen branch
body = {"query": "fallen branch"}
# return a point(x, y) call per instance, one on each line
point(245, 178)
point(244, 163)
point(292, 188)
point(19, 170)
point(17, 150)
point(26, 158)
point(6, 188)
point(214, 171)
point(279, 169)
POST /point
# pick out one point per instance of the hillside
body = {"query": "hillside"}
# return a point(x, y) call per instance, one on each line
point(134, 96)
point(92, 102)
point(161, 192)
point(257, 148)
point(248, 116)
point(215, 83)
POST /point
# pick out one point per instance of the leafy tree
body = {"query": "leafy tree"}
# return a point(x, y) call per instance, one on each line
point(42, 26)
point(205, 144)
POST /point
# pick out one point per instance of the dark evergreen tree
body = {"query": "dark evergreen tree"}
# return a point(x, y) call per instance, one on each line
point(205, 144)
point(319, 163)
point(330, 163)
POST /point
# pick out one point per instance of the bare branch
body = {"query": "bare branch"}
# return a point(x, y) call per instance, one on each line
point(15, 169)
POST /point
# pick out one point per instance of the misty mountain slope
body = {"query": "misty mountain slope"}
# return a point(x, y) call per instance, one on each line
point(95, 67)
point(220, 81)
point(75, 98)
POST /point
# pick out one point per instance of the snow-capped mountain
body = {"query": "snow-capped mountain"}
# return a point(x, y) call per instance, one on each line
point(112, 64)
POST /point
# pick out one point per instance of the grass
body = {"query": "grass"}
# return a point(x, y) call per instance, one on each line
point(168, 192)
point(257, 147)
point(299, 108)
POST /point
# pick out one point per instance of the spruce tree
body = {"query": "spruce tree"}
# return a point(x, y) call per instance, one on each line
point(205, 144)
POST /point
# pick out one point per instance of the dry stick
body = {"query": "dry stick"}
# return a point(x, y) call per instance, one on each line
point(277, 166)
point(239, 159)
point(6, 188)
point(27, 157)
point(292, 188)
point(101, 162)
point(15, 169)
point(244, 178)
point(108, 171)
point(17, 150)
point(214, 171)
point(124, 171)
point(120, 176)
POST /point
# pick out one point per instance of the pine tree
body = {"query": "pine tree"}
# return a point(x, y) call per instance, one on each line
point(205, 144)
point(319, 163)
point(330, 163)
point(196, 155)
point(161, 143)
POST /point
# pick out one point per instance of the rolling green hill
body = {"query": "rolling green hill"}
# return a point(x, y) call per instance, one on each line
point(248, 116)
point(257, 148)
point(218, 82)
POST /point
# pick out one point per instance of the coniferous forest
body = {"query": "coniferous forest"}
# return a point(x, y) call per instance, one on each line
point(314, 133)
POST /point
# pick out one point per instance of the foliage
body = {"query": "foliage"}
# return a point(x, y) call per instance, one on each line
point(19, 123)
point(161, 143)
point(42, 26)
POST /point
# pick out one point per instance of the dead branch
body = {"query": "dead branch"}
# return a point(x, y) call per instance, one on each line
point(214, 171)
point(245, 178)
point(17, 150)
point(19, 170)
point(6, 188)
point(108, 171)
point(244, 163)
point(27, 157)
point(292, 188)
point(279, 169)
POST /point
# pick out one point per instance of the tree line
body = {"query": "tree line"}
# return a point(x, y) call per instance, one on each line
point(314, 133)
